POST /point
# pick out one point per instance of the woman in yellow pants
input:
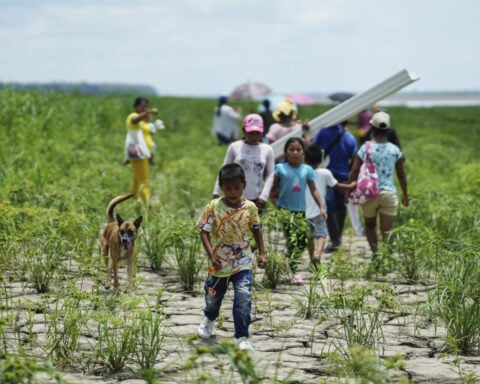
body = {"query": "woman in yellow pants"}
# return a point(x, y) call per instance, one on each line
point(135, 121)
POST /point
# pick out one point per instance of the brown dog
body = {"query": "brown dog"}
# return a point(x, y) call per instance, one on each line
point(118, 240)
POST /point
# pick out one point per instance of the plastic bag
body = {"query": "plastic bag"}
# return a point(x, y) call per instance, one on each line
point(135, 146)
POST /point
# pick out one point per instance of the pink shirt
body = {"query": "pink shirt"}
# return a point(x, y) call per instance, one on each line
point(276, 131)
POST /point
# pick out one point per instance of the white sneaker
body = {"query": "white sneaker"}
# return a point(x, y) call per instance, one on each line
point(244, 343)
point(206, 327)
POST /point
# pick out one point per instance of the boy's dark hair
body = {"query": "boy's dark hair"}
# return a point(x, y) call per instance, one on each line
point(313, 154)
point(230, 172)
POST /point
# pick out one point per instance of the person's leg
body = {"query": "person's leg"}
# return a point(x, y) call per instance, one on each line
point(242, 302)
point(215, 288)
point(341, 212)
point(143, 179)
point(319, 245)
point(139, 184)
point(332, 224)
point(296, 238)
point(386, 225)
point(371, 232)
point(387, 213)
point(311, 239)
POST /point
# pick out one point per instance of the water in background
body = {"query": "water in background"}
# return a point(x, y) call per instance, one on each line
point(433, 99)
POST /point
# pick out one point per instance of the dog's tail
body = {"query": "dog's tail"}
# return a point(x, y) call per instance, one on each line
point(113, 203)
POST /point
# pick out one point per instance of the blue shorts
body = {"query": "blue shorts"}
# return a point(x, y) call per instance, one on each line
point(317, 227)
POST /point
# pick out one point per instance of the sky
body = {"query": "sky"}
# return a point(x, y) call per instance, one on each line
point(207, 47)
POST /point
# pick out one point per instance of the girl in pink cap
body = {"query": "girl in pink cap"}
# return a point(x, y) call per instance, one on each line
point(256, 158)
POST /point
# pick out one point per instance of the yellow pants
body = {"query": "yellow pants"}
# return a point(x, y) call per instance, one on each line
point(140, 179)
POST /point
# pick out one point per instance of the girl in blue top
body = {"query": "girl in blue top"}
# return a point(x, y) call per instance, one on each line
point(291, 179)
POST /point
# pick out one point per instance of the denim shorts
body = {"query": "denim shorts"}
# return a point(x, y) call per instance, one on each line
point(317, 227)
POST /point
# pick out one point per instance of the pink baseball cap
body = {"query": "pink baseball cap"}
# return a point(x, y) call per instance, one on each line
point(253, 123)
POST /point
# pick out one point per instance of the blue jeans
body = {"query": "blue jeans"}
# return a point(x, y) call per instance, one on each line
point(215, 289)
point(337, 211)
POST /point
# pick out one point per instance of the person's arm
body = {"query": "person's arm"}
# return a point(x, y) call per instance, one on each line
point(268, 176)
point(346, 187)
point(317, 198)
point(141, 116)
point(353, 175)
point(205, 238)
point(402, 179)
point(258, 236)
point(275, 191)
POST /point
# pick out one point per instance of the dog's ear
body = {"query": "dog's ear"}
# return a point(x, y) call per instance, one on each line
point(119, 220)
point(138, 222)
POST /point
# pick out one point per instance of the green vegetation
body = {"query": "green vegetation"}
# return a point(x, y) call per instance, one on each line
point(60, 164)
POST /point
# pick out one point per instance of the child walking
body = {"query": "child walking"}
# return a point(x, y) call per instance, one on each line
point(289, 187)
point(317, 226)
point(225, 226)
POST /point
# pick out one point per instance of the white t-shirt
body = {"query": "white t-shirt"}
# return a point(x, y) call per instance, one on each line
point(227, 123)
point(323, 180)
point(258, 162)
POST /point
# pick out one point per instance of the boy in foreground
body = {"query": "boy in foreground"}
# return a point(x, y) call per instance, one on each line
point(226, 224)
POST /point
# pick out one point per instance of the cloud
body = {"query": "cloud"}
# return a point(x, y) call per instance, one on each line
point(209, 46)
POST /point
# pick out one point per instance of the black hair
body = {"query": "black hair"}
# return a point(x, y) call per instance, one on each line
point(266, 104)
point(139, 100)
point(313, 154)
point(221, 100)
point(231, 172)
point(292, 140)
point(379, 131)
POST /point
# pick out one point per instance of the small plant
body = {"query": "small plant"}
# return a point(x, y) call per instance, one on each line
point(361, 312)
point(42, 260)
point(151, 336)
point(19, 368)
point(456, 299)
point(414, 244)
point(117, 341)
point(364, 366)
point(239, 362)
point(310, 302)
point(264, 304)
point(275, 271)
point(153, 241)
point(185, 239)
point(466, 376)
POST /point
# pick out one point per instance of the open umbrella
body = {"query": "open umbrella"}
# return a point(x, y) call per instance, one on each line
point(250, 91)
point(301, 98)
point(340, 97)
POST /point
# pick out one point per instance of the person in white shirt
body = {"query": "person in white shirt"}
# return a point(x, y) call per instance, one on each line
point(317, 225)
point(257, 160)
point(225, 122)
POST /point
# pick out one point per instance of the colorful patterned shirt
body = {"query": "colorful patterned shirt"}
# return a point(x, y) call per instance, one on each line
point(229, 230)
point(385, 157)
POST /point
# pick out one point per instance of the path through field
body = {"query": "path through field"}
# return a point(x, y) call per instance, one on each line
point(285, 344)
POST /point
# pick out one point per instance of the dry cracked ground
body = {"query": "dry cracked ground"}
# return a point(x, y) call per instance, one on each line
point(287, 346)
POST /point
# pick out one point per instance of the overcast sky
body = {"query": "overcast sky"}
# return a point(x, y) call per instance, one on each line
point(207, 47)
